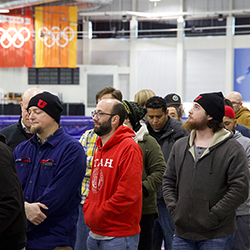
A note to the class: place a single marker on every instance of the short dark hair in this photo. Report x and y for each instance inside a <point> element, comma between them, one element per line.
<point>156,102</point>
<point>177,107</point>
<point>215,125</point>
<point>116,94</point>
<point>120,110</point>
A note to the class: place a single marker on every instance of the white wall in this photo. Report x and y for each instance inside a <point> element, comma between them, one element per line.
<point>153,63</point>
<point>155,67</point>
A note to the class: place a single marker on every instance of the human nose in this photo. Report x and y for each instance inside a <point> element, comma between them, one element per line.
<point>31,116</point>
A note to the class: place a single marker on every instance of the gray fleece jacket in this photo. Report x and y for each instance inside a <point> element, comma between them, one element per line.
<point>244,208</point>
<point>202,195</point>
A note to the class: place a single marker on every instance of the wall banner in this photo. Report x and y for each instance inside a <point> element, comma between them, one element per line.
<point>242,72</point>
<point>16,39</point>
<point>56,36</point>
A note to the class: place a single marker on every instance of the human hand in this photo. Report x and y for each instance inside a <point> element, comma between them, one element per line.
<point>34,213</point>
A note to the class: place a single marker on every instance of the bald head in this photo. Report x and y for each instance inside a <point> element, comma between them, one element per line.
<point>236,100</point>
<point>27,95</point>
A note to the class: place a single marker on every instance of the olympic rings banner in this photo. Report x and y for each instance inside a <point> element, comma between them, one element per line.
<point>16,44</point>
<point>56,36</point>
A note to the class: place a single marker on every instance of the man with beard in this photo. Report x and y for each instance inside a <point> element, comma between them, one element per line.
<point>51,166</point>
<point>20,131</point>
<point>166,131</point>
<point>242,234</point>
<point>206,179</point>
<point>88,140</point>
<point>112,209</point>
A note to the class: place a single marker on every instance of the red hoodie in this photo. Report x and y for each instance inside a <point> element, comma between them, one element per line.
<point>114,203</point>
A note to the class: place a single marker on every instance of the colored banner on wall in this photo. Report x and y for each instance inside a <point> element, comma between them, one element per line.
<point>242,72</point>
<point>56,36</point>
<point>16,41</point>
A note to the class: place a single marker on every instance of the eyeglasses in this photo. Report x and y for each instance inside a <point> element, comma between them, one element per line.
<point>234,103</point>
<point>100,114</point>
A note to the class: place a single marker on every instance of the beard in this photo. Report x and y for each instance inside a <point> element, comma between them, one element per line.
<point>35,130</point>
<point>104,128</point>
<point>197,125</point>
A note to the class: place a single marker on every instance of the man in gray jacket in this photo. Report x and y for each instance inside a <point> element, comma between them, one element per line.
<point>206,179</point>
<point>166,131</point>
<point>242,234</point>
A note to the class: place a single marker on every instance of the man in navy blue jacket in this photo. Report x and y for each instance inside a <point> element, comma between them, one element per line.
<point>51,166</point>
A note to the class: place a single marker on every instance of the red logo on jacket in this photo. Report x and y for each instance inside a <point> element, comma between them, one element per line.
<point>41,104</point>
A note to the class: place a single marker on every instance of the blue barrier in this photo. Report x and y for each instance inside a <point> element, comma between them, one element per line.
<point>73,125</point>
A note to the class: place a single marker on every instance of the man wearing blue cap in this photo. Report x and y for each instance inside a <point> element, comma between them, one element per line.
<point>206,179</point>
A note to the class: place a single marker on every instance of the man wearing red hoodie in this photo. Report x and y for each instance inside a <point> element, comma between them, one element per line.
<point>112,209</point>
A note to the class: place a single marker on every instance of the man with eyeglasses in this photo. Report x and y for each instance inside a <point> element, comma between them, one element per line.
<point>112,209</point>
<point>242,114</point>
<point>88,140</point>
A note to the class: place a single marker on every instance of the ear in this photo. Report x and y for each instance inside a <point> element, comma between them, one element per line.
<point>209,117</point>
<point>115,119</point>
<point>235,123</point>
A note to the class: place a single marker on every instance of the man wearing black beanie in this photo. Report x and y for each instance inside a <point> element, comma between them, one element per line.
<point>206,179</point>
<point>51,166</point>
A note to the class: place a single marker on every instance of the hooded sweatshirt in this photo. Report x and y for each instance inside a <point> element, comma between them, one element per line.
<point>202,195</point>
<point>243,117</point>
<point>113,206</point>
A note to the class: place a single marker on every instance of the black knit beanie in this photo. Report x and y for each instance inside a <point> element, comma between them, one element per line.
<point>213,104</point>
<point>135,113</point>
<point>49,103</point>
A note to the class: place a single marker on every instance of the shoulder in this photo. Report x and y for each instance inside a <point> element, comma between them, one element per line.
<point>68,141</point>
<point>24,146</point>
<point>9,129</point>
<point>177,127</point>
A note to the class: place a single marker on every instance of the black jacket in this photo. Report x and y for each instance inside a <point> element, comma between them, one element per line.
<point>171,132</point>
<point>12,215</point>
<point>15,134</point>
<point>202,195</point>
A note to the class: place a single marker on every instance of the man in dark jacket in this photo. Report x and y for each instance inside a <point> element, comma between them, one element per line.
<point>12,217</point>
<point>166,131</point>
<point>206,179</point>
<point>20,131</point>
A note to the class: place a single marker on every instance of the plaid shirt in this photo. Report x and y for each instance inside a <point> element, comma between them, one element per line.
<point>88,140</point>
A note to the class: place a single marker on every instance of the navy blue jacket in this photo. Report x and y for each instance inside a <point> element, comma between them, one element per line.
<point>51,173</point>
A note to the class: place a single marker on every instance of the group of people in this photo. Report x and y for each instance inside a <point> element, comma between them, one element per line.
<point>141,178</point>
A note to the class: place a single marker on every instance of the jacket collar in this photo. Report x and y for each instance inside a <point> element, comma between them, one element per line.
<point>52,139</point>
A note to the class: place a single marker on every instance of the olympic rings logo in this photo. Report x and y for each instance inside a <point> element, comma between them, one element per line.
<point>56,36</point>
<point>14,37</point>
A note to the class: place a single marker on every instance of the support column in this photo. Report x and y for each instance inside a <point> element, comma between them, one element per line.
<point>180,54</point>
<point>87,36</point>
<point>229,63</point>
<point>133,57</point>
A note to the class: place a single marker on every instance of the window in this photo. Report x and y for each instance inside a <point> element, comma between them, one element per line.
<point>66,76</point>
<point>205,27</point>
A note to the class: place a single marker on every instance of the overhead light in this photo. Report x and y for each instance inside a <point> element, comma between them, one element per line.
<point>4,11</point>
<point>154,0</point>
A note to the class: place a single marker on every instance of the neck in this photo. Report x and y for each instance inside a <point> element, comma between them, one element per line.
<point>106,137</point>
<point>47,132</point>
<point>203,137</point>
<point>24,125</point>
